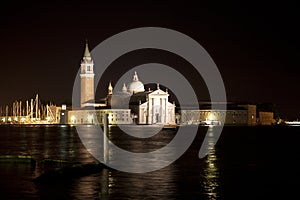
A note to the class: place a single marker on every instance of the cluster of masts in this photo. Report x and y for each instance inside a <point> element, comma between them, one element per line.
<point>28,112</point>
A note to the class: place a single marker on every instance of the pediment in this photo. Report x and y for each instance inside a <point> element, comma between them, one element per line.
<point>158,92</point>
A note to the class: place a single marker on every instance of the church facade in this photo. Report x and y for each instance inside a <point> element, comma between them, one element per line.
<point>153,107</point>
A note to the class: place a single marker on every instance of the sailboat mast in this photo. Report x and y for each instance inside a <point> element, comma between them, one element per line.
<point>20,112</point>
<point>47,117</point>
<point>27,108</point>
<point>31,108</point>
<point>36,106</point>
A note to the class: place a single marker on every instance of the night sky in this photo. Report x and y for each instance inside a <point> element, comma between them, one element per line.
<point>255,46</point>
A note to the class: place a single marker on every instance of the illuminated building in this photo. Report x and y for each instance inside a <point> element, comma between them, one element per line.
<point>134,104</point>
<point>235,114</point>
<point>145,107</point>
<point>266,118</point>
<point>86,78</point>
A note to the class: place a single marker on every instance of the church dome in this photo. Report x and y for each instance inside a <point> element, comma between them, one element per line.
<point>136,86</point>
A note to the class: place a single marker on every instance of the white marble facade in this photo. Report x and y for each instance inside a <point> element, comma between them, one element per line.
<point>157,109</point>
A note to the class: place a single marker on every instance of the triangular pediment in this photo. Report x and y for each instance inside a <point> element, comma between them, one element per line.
<point>158,92</point>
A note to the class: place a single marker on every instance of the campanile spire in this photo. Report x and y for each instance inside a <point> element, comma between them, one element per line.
<point>86,51</point>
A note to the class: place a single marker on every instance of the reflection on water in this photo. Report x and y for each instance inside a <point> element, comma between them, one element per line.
<point>211,171</point>
<point>55,142</point>
<point>41,142</point>
<point>245,164</point>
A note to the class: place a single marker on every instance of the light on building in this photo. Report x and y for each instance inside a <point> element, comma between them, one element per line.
<point>211,117</point>
<point>73,118</point>
<point>16,119</point>
<point>63,107</point>
<point>23,119</point>
<point>3,119</point>
<point>90,118</point>
<point>110,117</point>
<point>9,119</point>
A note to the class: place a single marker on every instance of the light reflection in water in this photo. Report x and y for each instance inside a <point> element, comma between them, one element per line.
<point>211,171</point>
<point>234,161</point>
<point>171,182</point>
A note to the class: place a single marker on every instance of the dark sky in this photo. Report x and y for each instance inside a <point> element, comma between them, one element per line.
<point>255,45</point>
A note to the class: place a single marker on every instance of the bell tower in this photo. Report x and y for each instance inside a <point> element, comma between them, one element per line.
<point>87,92</point>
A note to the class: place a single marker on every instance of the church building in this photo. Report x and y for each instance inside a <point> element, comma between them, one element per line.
<point>150,107</point>
<point>145,107</point>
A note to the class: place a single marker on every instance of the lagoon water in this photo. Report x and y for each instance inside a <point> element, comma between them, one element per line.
<point>246,163</point>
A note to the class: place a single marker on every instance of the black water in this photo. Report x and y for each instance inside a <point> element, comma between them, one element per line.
<point>247,163</point>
